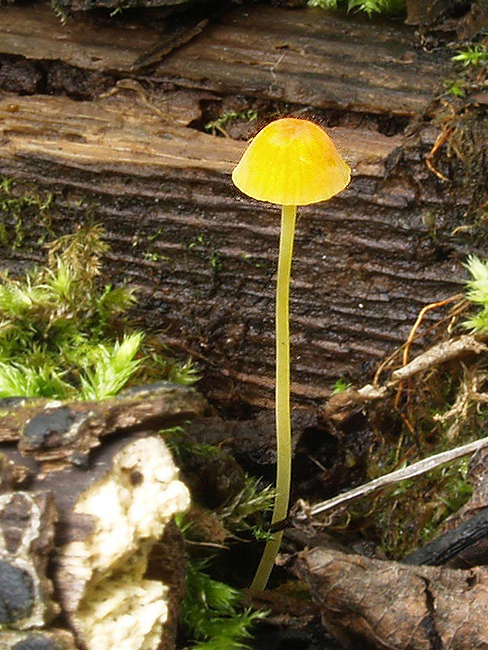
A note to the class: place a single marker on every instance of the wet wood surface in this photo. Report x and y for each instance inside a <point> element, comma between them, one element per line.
<point>129,150</point>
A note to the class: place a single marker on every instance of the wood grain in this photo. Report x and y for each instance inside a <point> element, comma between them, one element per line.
<point>202,256</point>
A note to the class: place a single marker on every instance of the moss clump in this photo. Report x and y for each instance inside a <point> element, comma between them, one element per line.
<point>63,334</point>
<point>220,123</point>
<point>213,615</point>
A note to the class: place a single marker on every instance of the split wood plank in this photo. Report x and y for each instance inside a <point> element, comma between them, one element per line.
<point>309,57</point>
<point>120,132</point>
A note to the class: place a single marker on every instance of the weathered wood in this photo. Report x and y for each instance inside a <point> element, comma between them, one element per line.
<point>63,433</point>
<point>465,19</point>
<point>203,256</point>
<point>26,540</point>
<point>300,56</point>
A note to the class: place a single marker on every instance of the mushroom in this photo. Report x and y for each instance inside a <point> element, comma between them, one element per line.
<point>290,162</point>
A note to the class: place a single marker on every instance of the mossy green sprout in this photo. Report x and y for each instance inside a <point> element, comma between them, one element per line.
<point>290,162</point>
<point>477,293</point>
<point>474,55</point>
<point>369,7</point>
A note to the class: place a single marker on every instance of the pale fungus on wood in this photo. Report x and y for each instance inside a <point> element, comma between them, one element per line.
<point>90,491</point>
<point>111,604</point>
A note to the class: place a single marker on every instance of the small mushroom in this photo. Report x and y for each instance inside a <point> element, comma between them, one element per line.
<point>290,162</point>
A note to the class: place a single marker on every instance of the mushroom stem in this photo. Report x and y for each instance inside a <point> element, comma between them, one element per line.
<point>282,403</point>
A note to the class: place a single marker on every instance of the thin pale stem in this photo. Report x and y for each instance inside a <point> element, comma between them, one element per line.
<point>283,424</point>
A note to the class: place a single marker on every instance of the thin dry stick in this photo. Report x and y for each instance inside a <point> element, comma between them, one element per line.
<point>416,469</point>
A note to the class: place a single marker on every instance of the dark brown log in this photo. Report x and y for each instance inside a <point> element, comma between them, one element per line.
<point>61,435</point>
<point>204,257</point>
<point>300,56</point>
<point>397,607</point>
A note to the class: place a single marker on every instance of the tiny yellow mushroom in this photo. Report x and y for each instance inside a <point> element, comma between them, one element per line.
<point>290,162</point>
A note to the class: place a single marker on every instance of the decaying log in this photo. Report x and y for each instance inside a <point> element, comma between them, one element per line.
<point>397,607</point>
<point>93,493</point>
<point>66,432</point>
<point>137,160</point>
<point>308,57</point>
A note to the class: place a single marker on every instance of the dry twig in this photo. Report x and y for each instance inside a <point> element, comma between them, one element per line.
<point>302,512</point>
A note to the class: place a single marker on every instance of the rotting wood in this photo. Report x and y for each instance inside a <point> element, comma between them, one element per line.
<point>202,256</point>
<point>55,432</point>
<point>107,505</point>
<point>465,19</point>
<point>305,56</point>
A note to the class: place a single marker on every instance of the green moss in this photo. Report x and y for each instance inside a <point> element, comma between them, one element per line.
<point>477,293</point>
<point>220,123</point>
<point>472,55</point>
<point>340,386</point>
<point>212,613</point>
<point>369,7</point>
<point>22,210</point>
<point>409,515</point>
<point>64,334</point>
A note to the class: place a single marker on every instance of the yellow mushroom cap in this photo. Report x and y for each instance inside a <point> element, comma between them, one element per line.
<point>291,162</point>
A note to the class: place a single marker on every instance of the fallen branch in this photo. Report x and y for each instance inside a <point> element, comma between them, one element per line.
<point>341,405</point>
<point>303,512</point>
<point>441,353</point>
